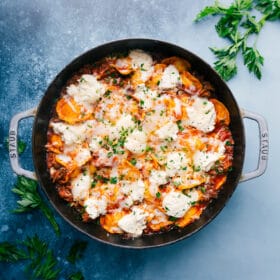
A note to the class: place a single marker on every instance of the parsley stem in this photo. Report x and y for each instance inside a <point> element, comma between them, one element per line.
<point>49,215</point>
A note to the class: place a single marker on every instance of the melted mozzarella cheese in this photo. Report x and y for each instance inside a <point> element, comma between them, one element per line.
<point>123,123</point>
<point>140,59</point>
<point>202,114</point>
<point>168,130</point>
<point>134,189</point>
<point>175,162</point>
<point>157,178</point>
<point>72,134</point>
<point>177,108</point>
<point>63,159</point>
<point>145,95</point>
<point>95,206</point>
<point>81,186</point>
<point>134,223</point>
<point>88,90</point>
<point>176,204</point>
<point>94,143</point>
<point>136,142</point>
<point>205,160</point>
<point>146,73</point>
<point>82,157</point>
<point>170,77</point>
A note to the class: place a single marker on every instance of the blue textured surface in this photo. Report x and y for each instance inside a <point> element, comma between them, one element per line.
<point>38,38</point>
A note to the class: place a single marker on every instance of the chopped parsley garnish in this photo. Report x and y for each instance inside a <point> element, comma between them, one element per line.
<point>102,179</point>
<point>110,154</point>
<point>228,143</point>
<point>172,219</point>
<point>169,139</point>
<point>203,190</point>
<point>113,180</point>
<point>230,169</point>
<point>164,148</point>
<point>196,168</point>
<point>177,183</point>
<point>179,124</point>
<point>158,194</point>
<point>107,93</point>
<point>133,161</point>
<point>142,67</point>
<point>142,102</point>
<point>148,149</point>
<point>158,82</point>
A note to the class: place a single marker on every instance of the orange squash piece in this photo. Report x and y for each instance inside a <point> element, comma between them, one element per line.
<point>110,221</point>
<point>222,114</point>
<point>193,213</point>
<point>159,226</point>
<point>180,63</point>
<point>190,82</point>
<point>55,144</point>
<point>69,111</point>
<point>156,77</point>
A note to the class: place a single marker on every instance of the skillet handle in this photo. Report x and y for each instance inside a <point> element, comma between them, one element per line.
<point>13,145</point>
<point>263,147</point>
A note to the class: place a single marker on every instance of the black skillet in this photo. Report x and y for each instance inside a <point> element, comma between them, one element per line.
<point>42,115</point>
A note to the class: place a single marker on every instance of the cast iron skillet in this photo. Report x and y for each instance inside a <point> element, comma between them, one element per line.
<point>39,139</point>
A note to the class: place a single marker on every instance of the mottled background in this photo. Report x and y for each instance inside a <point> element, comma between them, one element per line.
<point>38,38</point>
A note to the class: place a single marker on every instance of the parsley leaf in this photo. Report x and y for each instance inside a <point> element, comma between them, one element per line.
<point>226,63</point>
<point>21,145</point>
<point>76,251</point>
<point>270,8</point>
<point>253,60</point>
<point>30,199</point>
<point>210,11</point>
<point>10,253</point>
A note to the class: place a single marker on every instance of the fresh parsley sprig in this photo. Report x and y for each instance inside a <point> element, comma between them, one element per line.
<point>41,262</point>
<point>27,190</point>
<point>237,23</point>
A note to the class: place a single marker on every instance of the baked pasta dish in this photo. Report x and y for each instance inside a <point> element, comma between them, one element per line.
<point>138,143</point>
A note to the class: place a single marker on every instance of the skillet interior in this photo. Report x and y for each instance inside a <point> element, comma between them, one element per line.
<point>43,116</point>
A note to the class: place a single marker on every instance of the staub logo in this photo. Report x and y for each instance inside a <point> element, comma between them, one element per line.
<point>12,144</point>
<point>264,146</point>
